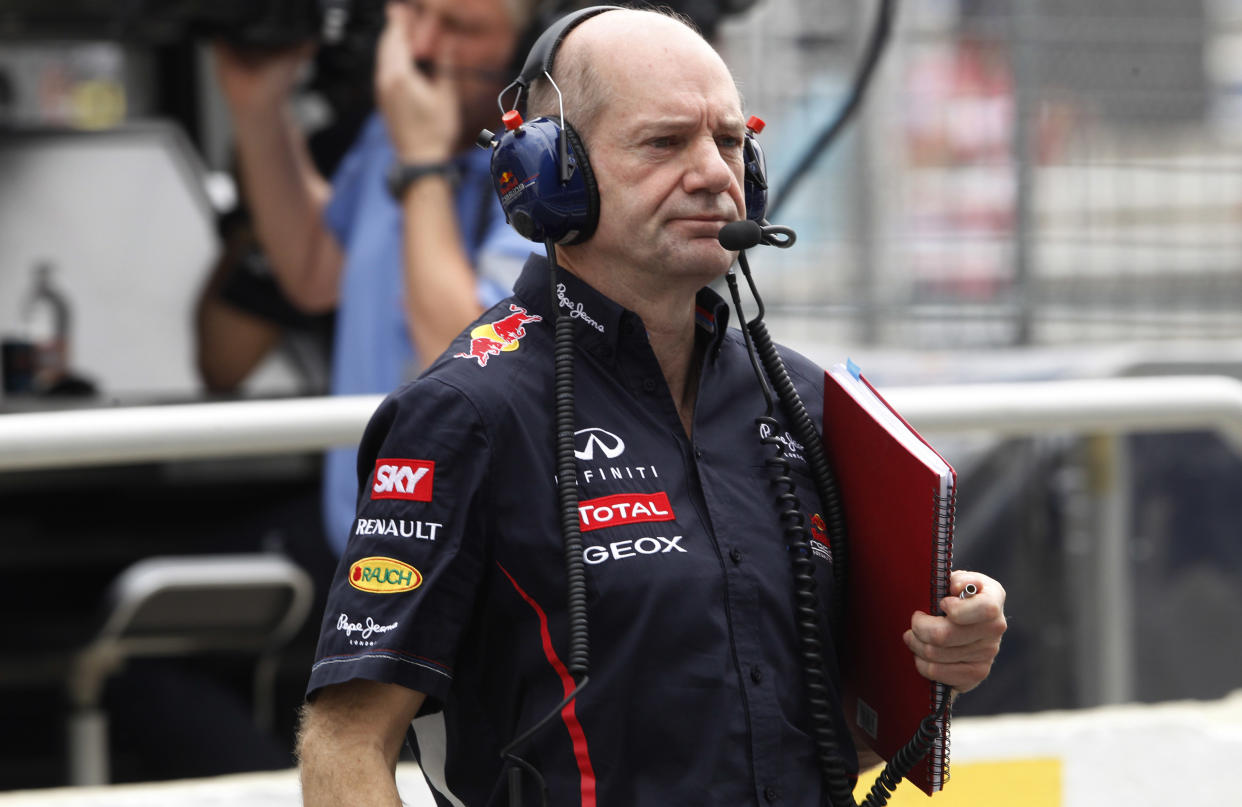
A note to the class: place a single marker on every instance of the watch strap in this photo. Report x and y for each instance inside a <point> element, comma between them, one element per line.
<point>402,175</point>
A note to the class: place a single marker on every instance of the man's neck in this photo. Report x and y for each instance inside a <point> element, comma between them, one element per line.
<point>668,314</point>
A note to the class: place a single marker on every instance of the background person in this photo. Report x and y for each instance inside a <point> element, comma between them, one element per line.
<point>404,274</point>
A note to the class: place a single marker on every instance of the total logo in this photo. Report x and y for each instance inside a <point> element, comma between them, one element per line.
<point>621,550</point>
<point>623,508</point>
<point>403,479</point>
<point>503,335</point>
<point>380,575</point>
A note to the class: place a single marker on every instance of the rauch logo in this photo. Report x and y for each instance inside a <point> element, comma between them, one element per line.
<point>379,575</point>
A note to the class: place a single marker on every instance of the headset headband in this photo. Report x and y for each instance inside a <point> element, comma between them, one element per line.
<point>543,52</point>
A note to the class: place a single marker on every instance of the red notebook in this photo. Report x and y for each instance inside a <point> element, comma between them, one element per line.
<point>898,498</point>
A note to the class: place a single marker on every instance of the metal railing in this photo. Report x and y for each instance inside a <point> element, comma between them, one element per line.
<point>247,428</point>
<point>1104,410</point>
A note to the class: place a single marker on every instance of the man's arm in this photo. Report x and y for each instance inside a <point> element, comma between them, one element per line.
<point>421,115</point>
<point>284,191</point>
<point>229,342</point>
<point>349,742</point>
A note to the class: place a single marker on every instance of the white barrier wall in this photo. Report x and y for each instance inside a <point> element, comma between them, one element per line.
<point>1138,756</point>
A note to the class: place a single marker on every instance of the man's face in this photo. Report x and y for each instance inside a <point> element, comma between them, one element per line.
<point>667,155</point>
<point>475,37</point>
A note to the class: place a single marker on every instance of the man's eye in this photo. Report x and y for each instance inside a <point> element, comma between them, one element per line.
<point>729,142</point>
<point>660,142</point>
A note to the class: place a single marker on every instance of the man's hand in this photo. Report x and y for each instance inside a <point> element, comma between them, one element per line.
<point>258,81</point>
<point>958,648</point>
<point>422,111</point>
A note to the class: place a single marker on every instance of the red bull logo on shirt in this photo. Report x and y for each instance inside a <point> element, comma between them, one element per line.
<point>503,335</point>
<point>379,575</point>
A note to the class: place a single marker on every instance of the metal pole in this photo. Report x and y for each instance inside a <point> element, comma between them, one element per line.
<point>1025,21</point>
<point>1112,597</point>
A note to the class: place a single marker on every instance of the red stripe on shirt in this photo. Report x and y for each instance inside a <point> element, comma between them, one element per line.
<point>586,772</point>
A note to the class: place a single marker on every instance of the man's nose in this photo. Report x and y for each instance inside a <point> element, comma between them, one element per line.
<point>709,171</point>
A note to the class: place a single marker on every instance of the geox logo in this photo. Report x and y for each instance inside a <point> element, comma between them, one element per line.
<point>403,479</point>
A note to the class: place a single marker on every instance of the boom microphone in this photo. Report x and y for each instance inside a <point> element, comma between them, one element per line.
<point>744,234</point>
<point>737,235</point>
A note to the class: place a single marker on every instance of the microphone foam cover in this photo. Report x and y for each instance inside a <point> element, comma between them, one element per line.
<point>742,234</point>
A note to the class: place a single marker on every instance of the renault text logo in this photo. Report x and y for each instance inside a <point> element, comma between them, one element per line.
<point>610,445</point>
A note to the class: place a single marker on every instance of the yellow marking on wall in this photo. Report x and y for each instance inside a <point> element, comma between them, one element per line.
<point>1013,783</point>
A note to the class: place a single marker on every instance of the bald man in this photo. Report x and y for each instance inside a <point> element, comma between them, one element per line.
<point>449,609</point>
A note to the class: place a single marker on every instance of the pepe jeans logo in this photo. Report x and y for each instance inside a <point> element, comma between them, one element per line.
<point>791,449</point>
<point>576,310</point>
<point>365,630</point>
<point>609,444</point>
<point>379,575</point>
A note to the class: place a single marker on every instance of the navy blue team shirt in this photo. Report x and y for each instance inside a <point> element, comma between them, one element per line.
<point>453,581</point>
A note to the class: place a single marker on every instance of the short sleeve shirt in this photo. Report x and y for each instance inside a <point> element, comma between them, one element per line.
<point>453,582</point>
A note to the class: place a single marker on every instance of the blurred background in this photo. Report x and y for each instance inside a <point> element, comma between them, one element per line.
<point>1032,191</point>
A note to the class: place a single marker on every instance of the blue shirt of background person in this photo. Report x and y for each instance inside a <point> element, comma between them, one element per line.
<point>373,353</point>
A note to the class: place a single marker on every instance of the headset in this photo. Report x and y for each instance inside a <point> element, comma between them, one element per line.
<point>541,169</point>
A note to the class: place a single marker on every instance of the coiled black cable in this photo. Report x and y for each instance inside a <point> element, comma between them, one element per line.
<point>579,659</point>
<point>567,480</point>
<point>832,767</point>
<point>804,430</point>
<point>807,610</point>
<point>906,757</point>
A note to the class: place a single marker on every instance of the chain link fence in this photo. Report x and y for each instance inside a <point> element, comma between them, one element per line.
<point>1024,172</point>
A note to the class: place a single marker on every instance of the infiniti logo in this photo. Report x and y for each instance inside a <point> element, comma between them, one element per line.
<point>610,445</point>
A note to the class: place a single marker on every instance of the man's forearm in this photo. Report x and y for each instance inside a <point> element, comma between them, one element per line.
<point>335,774</point>
<point>441,292</point>
<point>286,196</point>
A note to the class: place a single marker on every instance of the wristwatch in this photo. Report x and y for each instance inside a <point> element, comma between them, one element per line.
<point>402,175</point>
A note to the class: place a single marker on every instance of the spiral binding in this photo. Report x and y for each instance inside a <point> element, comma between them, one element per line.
<point>946,512</point>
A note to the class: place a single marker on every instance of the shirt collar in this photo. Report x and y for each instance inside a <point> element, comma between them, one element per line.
<point>599,321</point>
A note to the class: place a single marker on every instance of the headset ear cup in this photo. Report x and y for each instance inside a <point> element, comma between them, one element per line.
<point>583,161</point>
<point>755,176</point>
<point>526,173</point>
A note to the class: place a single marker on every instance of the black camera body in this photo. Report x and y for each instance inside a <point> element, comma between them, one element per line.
<point>245,23</point>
